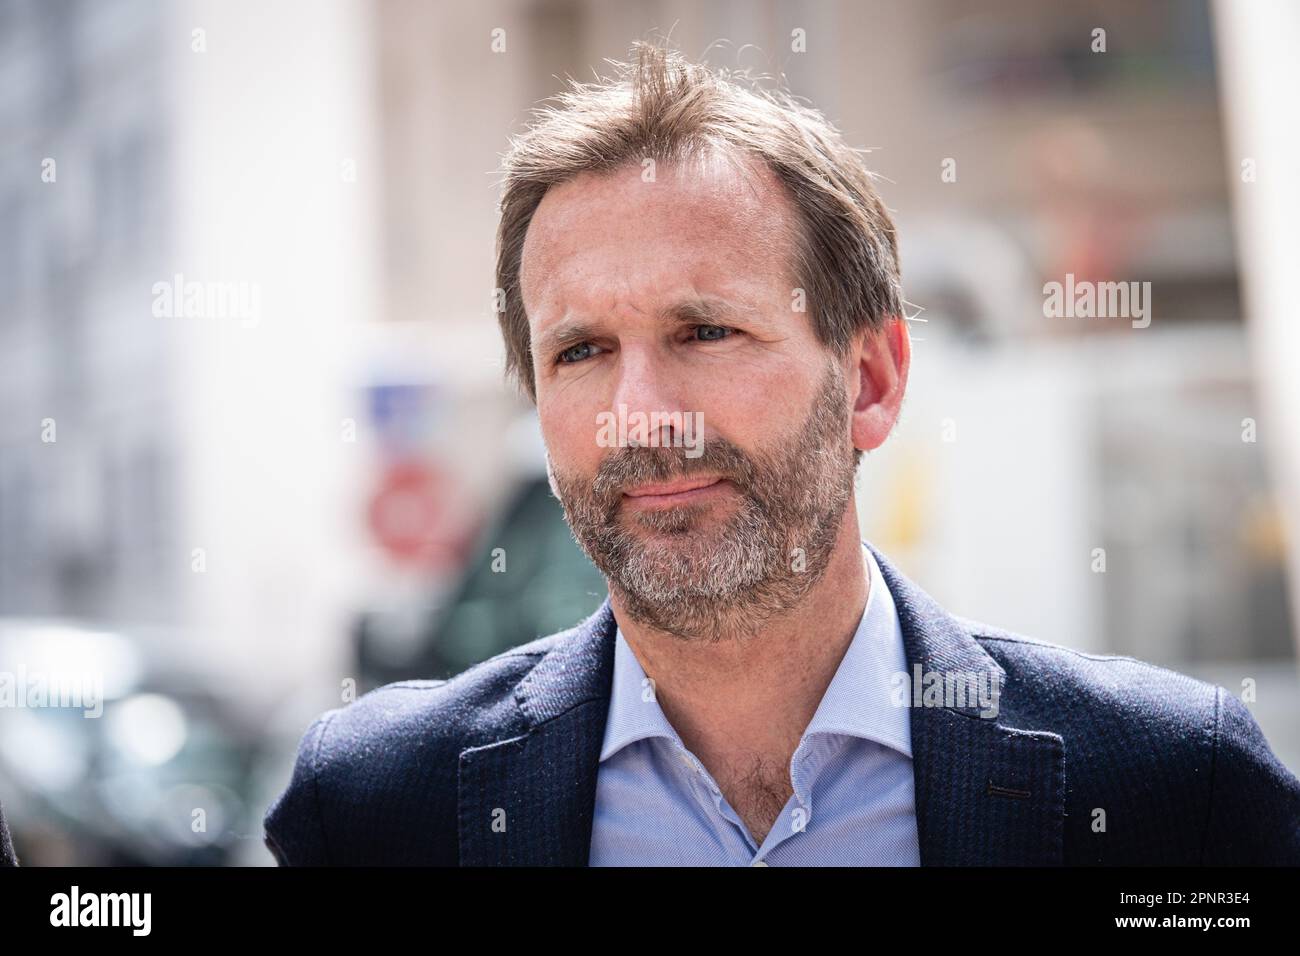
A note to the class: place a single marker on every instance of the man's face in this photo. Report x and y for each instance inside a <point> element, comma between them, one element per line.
<point>676,296</point>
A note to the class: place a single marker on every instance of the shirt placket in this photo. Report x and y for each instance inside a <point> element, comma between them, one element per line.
<point>808,760</point>
<point>699,779</point>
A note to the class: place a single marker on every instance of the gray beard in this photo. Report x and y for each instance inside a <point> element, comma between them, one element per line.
<point>730,578</point>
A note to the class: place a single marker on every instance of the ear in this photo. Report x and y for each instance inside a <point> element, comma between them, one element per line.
<point>881,359</point>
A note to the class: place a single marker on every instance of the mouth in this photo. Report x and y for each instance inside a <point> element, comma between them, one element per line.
<point>673,493</point>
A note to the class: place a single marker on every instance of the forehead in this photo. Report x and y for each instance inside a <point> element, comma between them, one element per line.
<point>713,222</point>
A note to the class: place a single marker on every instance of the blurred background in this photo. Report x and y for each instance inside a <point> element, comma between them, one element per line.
<point>255,445</point>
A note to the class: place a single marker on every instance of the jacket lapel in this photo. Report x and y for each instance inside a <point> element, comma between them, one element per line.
<point>987,792</point>
<point>530,800</point>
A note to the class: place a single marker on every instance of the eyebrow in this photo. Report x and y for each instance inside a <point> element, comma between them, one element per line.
<point>686,312</point>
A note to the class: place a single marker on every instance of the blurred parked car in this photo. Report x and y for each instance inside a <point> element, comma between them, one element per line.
<point>527,578</point>
<point>107,759</point>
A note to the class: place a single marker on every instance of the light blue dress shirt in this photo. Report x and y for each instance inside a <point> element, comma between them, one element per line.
<point>853,802</point>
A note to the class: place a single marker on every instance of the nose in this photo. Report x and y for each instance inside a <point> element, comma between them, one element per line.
<point>648,385</point>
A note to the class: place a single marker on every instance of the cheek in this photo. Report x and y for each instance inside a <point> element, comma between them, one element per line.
<point>570,437</point>
<point>748,411</point>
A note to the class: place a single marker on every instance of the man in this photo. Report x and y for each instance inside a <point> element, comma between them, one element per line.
<point>761,687</point>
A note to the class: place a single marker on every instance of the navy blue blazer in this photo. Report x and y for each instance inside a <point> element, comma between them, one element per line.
<point>7,855</point>
<point>1091,760</point>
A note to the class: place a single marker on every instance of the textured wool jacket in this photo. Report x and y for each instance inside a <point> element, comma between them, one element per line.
<point>1090,760</point>
<point>7,856</point>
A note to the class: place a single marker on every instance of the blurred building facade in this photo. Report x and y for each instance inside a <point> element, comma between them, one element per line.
<point>166,460</point>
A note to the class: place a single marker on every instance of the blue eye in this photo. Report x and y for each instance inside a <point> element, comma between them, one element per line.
<point>715,328</point>
<point>568,356</point>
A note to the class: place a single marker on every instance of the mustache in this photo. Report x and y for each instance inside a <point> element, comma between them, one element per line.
<point>631,466</point>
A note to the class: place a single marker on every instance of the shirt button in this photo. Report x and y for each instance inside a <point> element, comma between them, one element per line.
<point>758,863</point>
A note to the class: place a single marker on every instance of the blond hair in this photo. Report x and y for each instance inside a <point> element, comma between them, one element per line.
<point>664,107</point>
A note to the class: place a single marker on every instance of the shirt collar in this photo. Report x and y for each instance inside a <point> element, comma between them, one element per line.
<point>857,702</point>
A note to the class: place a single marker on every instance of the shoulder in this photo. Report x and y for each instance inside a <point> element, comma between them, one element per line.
<point>1121,708</point>
<point>375,780</point>
<point>1041,675</point>
<point>1187,751</point>
<point>414,715</point>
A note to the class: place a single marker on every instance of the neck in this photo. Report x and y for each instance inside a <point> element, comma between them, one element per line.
<point>756,692</point>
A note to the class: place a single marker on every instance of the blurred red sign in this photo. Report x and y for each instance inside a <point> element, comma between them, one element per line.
<point>417,516</point>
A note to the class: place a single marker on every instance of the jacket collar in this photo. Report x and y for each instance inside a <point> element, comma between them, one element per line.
<point>986,792</point>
